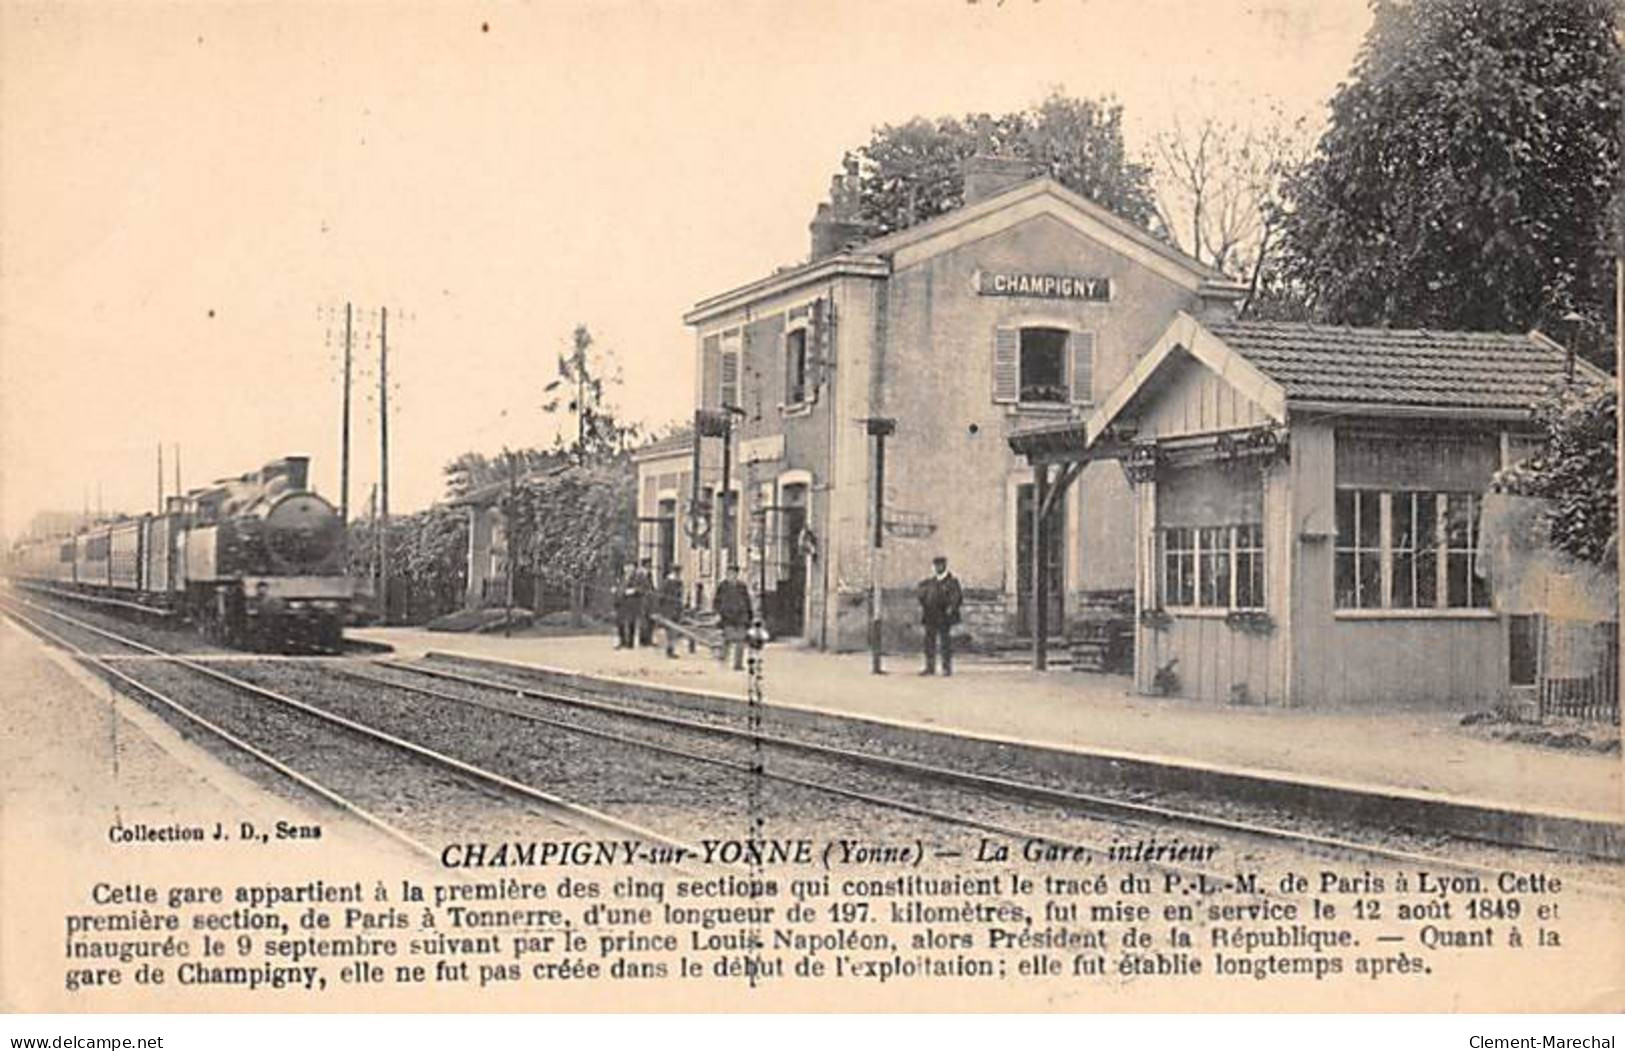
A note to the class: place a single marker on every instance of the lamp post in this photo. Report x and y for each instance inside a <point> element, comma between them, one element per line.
<point>879,428</point>
<point>718,423</point>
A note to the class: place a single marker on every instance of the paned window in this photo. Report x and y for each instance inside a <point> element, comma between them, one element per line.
<point>1212,567</point>
<point>1408,549</point>
<point>795,366</point>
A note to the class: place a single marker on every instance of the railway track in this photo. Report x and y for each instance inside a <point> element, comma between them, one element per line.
<point>844,777</point>
<point>365,773</point>
<point>1151,818</point>
<point>154,663</point>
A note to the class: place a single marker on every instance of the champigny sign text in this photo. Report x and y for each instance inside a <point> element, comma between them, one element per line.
<point>1044,286</point>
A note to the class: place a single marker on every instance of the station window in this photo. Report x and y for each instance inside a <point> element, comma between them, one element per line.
<point>1043,365</point>
<point>1408,549</point>
<point>1210,540</point>
<point>795,366</point>
<point>1212,567</point>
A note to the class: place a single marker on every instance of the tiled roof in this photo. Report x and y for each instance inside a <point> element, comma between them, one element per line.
<point>1484,370</point>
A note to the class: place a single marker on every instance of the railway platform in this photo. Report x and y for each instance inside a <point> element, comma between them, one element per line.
<point>1376,762</point>
<point>96,789</point>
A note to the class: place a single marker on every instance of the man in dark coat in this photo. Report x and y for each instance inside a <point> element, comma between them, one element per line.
<point>645,581</point>
<point>940,598</point>
<point>732,604</point>
<point>627,609</point>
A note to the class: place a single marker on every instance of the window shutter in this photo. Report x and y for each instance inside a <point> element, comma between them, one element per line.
<point>818,346</point>
<point>710,370</point>
<point>730,377</point>
<point>1082,346</point>
<point>1006,365</point>
<point>790,363</point>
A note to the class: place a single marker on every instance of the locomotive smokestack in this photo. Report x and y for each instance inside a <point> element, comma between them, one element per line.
<point>299,472</point>
<point>296,469</point>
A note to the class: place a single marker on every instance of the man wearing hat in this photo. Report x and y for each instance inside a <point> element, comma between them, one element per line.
<point>940,597</point>
<point>644,580</point>
<point>733,608</point>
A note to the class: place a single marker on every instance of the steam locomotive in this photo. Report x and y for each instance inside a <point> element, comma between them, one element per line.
<point>256,561</point>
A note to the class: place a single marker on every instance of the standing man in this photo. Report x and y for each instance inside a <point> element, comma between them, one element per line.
<point>940,597</point>
<point>626,609</point>
<point>671,606</point>
<point>645,580</point>
<point>732,604</point>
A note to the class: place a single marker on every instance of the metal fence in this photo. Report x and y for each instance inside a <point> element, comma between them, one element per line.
<point>1579,670</point>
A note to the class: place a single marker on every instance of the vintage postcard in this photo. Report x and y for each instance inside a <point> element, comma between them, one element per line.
<point>728,507</point>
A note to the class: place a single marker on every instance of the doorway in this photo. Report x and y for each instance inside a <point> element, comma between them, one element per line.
<point>784,603</point>
<point>1054,563</point>
<point>666,538</point>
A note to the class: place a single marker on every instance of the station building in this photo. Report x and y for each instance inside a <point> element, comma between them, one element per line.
<point>1024,306</point>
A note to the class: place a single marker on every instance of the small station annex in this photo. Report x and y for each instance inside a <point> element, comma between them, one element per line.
<point>1307,507</point>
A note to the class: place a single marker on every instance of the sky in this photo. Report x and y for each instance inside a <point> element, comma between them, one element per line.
<point>189,194</point>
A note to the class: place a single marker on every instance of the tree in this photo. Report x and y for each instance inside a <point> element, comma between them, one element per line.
<point>1218,184</point>
<point>584,374</point>
<point>572,529</point>
<point>1576,469</point>
<point>436,560</point>
<point>428,558</point>
<point>911,172</point>
<point>1466,176</point>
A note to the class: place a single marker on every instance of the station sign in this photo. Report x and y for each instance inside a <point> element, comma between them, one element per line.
<point>1044,286</point>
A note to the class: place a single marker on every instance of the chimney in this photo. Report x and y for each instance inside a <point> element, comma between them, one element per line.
<point>830,233</point>
<point>1219,301</point>
<point>836,224</point>
<point>987,175</point>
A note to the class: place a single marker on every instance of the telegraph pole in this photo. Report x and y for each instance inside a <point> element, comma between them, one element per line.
<point>344,457</point>
<point>160,478</point>
<point>377,537</point>
<point>383,463</point>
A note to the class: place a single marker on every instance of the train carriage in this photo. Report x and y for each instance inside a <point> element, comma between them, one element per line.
<point>90,563</point>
